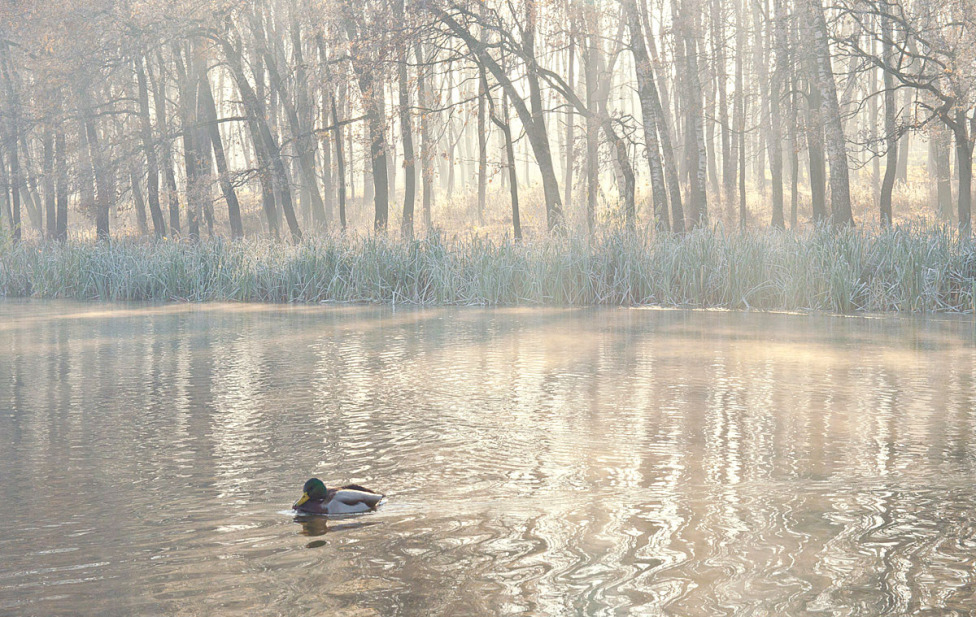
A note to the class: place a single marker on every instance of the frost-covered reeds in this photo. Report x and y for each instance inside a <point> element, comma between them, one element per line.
<point>917,270</point>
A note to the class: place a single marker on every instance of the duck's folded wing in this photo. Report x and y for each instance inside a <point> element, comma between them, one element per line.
<point>353,496</point>
<point>356,487</point>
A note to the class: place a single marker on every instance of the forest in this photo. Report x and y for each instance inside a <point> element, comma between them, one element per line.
<point>284,120</point>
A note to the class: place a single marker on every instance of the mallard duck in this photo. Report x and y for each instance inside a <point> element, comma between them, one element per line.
<point>349,499</point>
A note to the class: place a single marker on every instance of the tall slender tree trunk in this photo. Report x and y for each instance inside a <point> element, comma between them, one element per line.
<point>104,184</point>
<point>592,132</point>
<point>482,142</point>
<point>570,137</point>
<point>301,119</point>
<point>873,116</point>
<point>13,139</point>
<point>406,132</point>
<point>50,200</point>
<point>340,166</point>
<point>964,165</point>
<point>891,136</point>
<point>905,141</point>
<point>740,108</point>
<point>696,155</point>
<point>208,112</point>
<point>426,147</point>
<point>373,101</point>
<point>32,198</point>
<point>187,86</point>
<point>943,173</point>
<point>451,140</point>
<point>15,181</point>
<point>775,137</point>
<point>61,185</point>
<point>835,142</point>
<point>138,199</point>
<point>647,92</point>
<point>537,129</point>
<point>166,150</point>
<point>149,149</point>
<point>794,155</point>
<point>506,128</point>
<point>721,74</point>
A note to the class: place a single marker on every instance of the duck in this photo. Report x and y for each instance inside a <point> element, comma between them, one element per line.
<point>348,499</point>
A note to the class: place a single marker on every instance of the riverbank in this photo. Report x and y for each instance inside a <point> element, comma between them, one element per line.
<point>900,270</point>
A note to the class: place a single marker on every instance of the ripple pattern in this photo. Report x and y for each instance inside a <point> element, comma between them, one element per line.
<point>536,462</point>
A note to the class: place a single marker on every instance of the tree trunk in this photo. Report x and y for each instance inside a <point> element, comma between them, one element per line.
<point>138,200</point>
<point>570,120</point>
<point>373,103</point>
<point>775,138</point>
<point>647,92</point>
<point>266,147</point>
<point>943,173</point>
<point>728,160</point>
<point>891,136</point>
<point>426,147</point>
<point>187,87</point>
<point>537,128</point>
<point>592,132</point>
<point>696,155</point>
<point>50,200</point>
<point>208,113</point>
<point>406,132</point>
<point>166,151</point>
<point>482,151</point>
<point>300,119</point>
<point>740,108</point>
<point>61,185</point>
<point>340,166</point>
<point>13,139</point>
<point>506,128</point>
<point>300,130</point>
<point>149,149</point>
<point>835,142</point>
<point>964,164</point>
<point>104,184</point>
<point>905,141</point>
<point>531,120</point>
<point>15,182</point>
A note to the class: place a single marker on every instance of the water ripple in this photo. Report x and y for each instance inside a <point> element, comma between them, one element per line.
<point>536,462</point>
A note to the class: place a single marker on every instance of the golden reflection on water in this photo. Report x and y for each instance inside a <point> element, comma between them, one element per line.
<point>536,461</point>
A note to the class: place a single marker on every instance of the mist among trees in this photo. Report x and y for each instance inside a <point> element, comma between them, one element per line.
<point>285,118</point>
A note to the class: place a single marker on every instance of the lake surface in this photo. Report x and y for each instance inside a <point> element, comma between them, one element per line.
<point>535,461</point>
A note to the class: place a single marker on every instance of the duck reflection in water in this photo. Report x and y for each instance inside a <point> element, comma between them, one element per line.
<point>318,526</point>
<point>312,525</point>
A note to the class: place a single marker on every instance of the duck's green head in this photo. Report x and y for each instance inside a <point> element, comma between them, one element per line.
<point>314,489</point>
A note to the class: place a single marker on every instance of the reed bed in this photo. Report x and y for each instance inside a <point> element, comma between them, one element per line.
<point>905,270</point>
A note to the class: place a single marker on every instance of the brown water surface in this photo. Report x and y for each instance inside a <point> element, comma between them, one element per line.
<point>536,462</point>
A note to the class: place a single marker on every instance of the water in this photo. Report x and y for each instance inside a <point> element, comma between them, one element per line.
<point>537,462</point>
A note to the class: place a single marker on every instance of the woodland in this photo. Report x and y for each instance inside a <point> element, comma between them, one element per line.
<point>498,122</point>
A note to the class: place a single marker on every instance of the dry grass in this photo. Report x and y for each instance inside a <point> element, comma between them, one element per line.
<point>910,269</point>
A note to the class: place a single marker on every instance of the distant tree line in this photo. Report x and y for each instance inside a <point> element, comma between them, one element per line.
<point>182,114</point>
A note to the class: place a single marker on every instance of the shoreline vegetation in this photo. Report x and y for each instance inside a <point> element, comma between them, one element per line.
<point>897,270</point>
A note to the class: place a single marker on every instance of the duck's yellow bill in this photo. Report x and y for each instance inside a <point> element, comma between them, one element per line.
<point>301,501</point>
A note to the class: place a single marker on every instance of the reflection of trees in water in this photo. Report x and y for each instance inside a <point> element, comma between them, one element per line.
<point>551,462</point>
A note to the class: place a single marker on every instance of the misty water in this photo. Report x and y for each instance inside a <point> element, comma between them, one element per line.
<point>535,461</point>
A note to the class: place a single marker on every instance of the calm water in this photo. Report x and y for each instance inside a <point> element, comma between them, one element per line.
<point>537,462</point>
